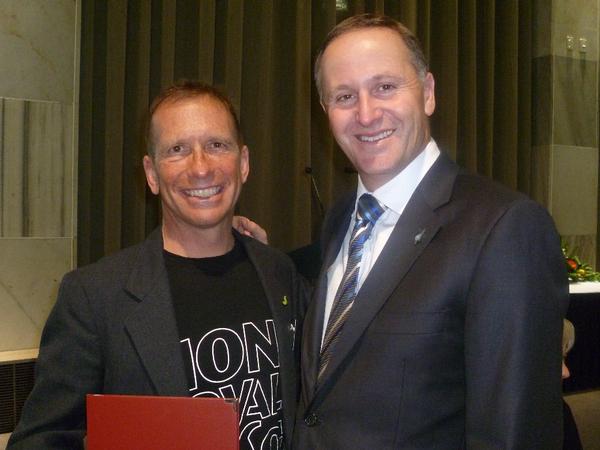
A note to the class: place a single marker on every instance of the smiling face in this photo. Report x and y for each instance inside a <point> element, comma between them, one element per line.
<point>198,167</point>
<point>378,106</point>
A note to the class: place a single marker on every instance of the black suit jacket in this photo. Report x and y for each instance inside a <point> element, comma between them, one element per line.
<point>454,339</point>
<point>113,330</point>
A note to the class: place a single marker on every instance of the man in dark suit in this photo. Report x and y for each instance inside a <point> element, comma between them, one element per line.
<point>195,310</point>
<point>436,320</point>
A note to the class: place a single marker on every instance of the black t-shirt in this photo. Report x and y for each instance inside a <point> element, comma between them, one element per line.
<point>228,340</point>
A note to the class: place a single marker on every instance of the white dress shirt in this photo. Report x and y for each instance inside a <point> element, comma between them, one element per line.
<point>394,195</point>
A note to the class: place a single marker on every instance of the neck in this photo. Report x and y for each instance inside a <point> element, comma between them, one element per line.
<point>198,242</point>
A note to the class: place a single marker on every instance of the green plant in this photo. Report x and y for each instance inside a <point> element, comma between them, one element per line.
<point>577,270</point>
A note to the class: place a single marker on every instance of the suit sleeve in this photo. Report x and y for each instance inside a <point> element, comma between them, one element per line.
<point>68,367</point>
<point>513,328</point>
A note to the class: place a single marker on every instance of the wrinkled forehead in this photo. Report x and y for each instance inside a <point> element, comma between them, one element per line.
<point>202,100</point>
<point>208,105</point>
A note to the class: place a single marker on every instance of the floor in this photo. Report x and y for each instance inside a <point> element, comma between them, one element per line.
<point>586,409</point>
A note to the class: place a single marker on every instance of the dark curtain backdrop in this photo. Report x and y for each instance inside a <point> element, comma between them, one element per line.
<point>261,52</point>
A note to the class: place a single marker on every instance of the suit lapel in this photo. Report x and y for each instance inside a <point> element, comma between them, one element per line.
<point>284,319</point>
<point>152,327</point>
<point>398,255</point>
<point>416,228</point>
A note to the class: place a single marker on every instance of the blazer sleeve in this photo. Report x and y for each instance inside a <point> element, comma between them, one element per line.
<point>68,367</point>
<point>515,305</point>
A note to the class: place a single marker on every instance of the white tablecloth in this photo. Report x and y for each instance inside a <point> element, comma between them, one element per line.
<point>584,287</point>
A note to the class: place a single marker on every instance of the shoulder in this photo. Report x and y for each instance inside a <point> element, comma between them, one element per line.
<point>276,269</point>
<point>479,196</point>
<point>263,255</point>
<point>480,187</point>
<point>449,185</point>
<point>115,269</point>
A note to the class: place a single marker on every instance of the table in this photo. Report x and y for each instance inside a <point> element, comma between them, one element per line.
<point>584,359</point>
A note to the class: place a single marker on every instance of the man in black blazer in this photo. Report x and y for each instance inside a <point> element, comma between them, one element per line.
<point>196,309</point>
<point>452,336</point>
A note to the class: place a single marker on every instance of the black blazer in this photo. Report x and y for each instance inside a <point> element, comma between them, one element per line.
<point>454,339</point>
<point>113,330</point>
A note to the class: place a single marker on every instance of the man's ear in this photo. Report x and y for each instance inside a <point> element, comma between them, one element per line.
<point>429,94</point>
<point>151,175</point>
<point>244,163</point>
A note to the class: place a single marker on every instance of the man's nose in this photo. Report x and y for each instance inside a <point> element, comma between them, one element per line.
<point>199,163</point>
<point>368,111</point>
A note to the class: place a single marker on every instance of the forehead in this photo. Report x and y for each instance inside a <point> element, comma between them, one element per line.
<point>365,53</point>
<point>199,112</point>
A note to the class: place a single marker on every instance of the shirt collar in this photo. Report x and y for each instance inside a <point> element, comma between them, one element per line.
<point>396,193</point>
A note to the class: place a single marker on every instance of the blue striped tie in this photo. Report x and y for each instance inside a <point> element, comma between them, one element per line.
<point>367,212</point>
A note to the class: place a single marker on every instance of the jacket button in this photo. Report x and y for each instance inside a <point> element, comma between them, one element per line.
<point>311,419</point>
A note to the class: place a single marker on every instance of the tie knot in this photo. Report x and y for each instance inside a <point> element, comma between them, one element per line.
<point>368,209</point>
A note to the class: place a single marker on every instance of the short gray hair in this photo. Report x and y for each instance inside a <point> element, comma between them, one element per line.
<point>363,21</point>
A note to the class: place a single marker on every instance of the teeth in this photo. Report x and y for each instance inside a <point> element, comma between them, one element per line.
<point>204,193</point>
<point>377,137</point>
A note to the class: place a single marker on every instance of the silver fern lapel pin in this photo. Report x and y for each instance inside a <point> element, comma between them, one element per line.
<point>419,236</point>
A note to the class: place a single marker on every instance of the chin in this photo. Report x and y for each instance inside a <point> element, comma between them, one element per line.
<point>209,223</point>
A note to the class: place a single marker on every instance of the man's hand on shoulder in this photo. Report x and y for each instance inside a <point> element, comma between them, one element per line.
<point>245,226</point>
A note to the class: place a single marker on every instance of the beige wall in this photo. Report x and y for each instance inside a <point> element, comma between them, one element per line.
<point>39,73</point>
<point>566,115</point>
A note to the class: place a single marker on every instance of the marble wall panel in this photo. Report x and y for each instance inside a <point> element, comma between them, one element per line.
<point>37,49</point>
<point>11,155</point>
<point>49,158</point>
<point>36,154</point>
<point>574,190</point>
<point>30,272</point>
<point>575,102</point>
<point>577,18</point>
<point>39,73</point>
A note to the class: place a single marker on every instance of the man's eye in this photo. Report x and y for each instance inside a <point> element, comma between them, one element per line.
<point>216,145</point>
<point>344,98</point>
<point>175,151</point>
<point>386,87</point>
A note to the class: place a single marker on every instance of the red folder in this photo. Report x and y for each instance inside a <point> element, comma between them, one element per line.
<point>131,422</point>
